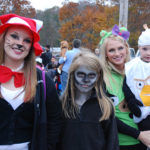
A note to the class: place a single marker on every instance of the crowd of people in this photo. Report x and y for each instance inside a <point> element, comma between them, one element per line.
<point>83,101</point>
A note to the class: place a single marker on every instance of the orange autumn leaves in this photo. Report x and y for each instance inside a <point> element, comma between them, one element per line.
<point>84,22</point>
<point>20,7</point>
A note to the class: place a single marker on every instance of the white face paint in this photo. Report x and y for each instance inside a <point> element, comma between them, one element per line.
<point>85,79</point>
<point>18,41</point>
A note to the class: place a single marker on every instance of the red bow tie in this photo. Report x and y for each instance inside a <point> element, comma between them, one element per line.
<point>6,74</point>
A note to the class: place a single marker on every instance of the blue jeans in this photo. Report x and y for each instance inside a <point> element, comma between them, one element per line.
<point>63,78</point>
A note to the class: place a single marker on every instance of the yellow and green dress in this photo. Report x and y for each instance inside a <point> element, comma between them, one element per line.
<point>121,110</point>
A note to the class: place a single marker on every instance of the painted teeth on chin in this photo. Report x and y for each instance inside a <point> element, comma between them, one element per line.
<point>85,86</point>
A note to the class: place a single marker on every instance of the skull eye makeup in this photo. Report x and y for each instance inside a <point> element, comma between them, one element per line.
<point>92,75</point>
<point>81,74</point>
<point>140,84</point>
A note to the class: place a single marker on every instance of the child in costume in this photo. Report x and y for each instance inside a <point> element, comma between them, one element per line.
<point>39,63</point>
<point>89,122</point>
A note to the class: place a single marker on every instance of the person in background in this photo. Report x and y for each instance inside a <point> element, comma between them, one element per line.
<point>88,115</point>
<point>64,46</point>
<point>29,120</point>
<point>39,63</point>
<point>97,53</point>
<point>114,53</point>
<point>137,83</point>
<point>67,60</point>
<point>46,56</point>
<point>51,68</point>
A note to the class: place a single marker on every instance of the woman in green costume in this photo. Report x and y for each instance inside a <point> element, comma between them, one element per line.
<point>114,53</point>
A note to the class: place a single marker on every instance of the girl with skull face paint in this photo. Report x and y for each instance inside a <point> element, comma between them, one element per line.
<point>114,51</point>
<point>88,114</point>
<point>28,120</point>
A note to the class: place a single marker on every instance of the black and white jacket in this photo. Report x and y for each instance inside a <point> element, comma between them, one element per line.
<point>47,118</point>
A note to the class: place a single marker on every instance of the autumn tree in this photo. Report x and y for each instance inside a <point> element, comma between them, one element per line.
<point>66,17</point>
<point>139,12</point>
<point>20,7</point>
<point>85,20</point>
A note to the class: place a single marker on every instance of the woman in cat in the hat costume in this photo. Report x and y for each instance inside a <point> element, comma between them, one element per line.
<point>28,119</point>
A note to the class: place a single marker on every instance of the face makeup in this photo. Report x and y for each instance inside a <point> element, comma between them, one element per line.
<point>85,79</point>
<point>18,41</point>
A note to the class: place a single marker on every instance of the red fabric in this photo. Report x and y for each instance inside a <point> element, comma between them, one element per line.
<point>6,74</point>
<point>32,25</point>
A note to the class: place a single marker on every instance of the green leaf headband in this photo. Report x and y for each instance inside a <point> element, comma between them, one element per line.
<point>123,32</point>
<point>104,34</point>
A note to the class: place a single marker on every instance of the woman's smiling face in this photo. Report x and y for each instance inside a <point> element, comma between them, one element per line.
<point>18,42</point>
<point>116,53</point>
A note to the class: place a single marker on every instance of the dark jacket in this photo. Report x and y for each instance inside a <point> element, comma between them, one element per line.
<point>46,58</point>
<point>47,118</point>
<point>86,132</point>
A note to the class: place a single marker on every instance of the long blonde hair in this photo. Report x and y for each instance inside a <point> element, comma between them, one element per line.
<point>69,105</point>
<point>108,67</point>
<point>29,70</point>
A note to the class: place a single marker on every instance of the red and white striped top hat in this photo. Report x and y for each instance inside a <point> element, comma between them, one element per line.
<point>32,24</point>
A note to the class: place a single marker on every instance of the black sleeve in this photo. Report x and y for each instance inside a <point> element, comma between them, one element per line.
<point>43,59</point>
<point>111,133</point>
<point>126,129</point>
<point>50,55</point>
<point>54,114</point>
<point>132,102</point>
